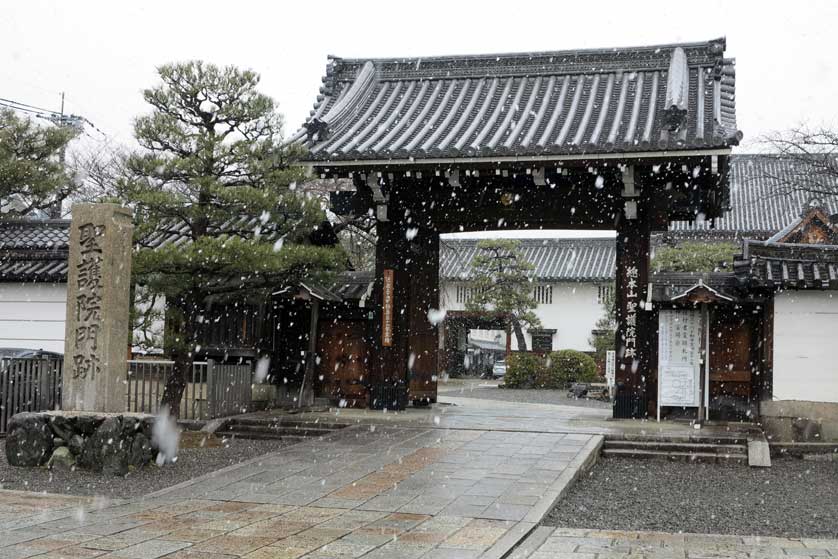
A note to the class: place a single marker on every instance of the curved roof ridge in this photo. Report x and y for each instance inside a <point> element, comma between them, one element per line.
<point>719,43</point>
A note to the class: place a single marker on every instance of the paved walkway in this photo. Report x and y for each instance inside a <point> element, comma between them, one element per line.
<point>569,543</point>
<point>371,490</point>
<point>457,481</point>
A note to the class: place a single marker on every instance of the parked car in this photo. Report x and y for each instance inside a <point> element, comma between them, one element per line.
<point>20,353</point>
<point>499,369</point>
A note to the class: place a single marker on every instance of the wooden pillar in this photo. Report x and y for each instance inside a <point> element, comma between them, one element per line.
<point>423,316</point>
<point>390,353</point>
<point>306,397</point>
<point>634,323</point>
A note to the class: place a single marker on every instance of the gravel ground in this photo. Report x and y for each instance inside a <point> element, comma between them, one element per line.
<point>191,463</point>
<point>473,389</point>
<point>792,498</point>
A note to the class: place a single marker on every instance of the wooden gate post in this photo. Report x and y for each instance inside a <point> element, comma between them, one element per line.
<point>631,297</point>
<point>390,325</point>
<point>423,342</point>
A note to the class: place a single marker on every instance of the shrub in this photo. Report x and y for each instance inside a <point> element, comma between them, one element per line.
<point>523,370</point>
<point>693,256</point>
<point>559,370</point>
<point>568,366</point>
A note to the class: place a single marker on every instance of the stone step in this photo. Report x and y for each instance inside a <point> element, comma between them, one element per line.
<point>709,457</point>
<point>279,430</point>
<point>667,446</point>
<point>733,438</point>
<point>267,436</point>
<point>287,422</point>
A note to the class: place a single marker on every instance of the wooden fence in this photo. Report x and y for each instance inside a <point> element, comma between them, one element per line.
<point>29,384</point>
<point>212,389</point>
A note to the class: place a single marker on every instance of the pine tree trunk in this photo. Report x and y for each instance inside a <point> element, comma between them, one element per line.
<point>519,335</point>
<point>184,333</point>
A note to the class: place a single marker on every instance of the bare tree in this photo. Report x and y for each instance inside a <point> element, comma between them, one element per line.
<point>808,160</point>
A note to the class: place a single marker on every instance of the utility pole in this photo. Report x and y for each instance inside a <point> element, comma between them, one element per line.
<point>71,121</point>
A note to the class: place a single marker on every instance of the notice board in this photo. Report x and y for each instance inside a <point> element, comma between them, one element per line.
<point>679,357</point>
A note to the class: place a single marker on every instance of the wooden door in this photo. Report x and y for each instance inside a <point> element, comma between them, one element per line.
<point>731,364</point>
<point>342,370</point>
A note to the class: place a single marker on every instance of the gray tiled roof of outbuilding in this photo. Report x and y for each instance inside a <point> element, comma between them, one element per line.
<point>34,250</point>
<point>553,260</point>
<point>639,99</point>
<point>763,198</point>
<point>47,234</point>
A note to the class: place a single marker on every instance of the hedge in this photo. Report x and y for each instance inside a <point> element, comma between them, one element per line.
<point>558,370</point>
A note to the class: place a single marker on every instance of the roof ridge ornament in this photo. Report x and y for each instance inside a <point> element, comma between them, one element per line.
<point>677,90</point>
<point>318,128</point>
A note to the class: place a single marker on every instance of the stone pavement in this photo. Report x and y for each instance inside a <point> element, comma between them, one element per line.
<point>456,481</point>
<point>568,543</point>
<point>368,491</point>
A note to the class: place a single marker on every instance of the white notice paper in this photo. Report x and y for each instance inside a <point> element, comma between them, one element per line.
<point>679,357</point>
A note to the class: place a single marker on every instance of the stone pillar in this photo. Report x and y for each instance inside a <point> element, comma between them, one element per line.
<point>97,328</point>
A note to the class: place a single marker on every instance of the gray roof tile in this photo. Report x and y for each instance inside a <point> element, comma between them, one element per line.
<point>553,260</point>
<point>757,209</point>
<point>549,103</point>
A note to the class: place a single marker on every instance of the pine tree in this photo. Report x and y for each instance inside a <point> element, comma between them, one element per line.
<point>32,175</point>
<point>216,211</point>
<point>502,286</point>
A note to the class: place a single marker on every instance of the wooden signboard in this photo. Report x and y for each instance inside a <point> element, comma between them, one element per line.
<point>387,310</point>
<point>679,358</point>
<point>610,367</point>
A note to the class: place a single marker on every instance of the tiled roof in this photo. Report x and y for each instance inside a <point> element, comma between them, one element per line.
<point>35,234</point>
<point>26,267</point>
<point>34,250</point>
<point>788,265</point>
<point>639,99</point>
<point>553,259</point>
<point>353,286</point>
<point>756,208</point>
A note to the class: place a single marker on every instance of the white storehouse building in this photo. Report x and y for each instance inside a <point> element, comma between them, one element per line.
<point>570,282</point>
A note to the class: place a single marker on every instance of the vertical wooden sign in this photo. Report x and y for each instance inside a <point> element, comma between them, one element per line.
<point>387,310</point>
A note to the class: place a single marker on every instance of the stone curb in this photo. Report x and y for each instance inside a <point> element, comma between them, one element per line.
<point>579,465</point>
<point>527,530</point>
<point>532,543</point>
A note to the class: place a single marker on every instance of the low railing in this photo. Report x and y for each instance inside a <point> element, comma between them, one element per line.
<point>29,385</point>
<point>212,389</point>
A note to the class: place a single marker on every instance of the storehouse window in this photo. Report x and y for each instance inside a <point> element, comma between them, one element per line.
<point>604,292</point>
<point>542,340</point>
<point>466,294</point>
<point>543,294</point>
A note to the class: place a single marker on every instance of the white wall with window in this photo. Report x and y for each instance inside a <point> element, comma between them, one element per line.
<point>568,311</point>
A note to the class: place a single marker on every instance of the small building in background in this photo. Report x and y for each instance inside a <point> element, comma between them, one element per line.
<point>33,283</point>
<point>571,281</point>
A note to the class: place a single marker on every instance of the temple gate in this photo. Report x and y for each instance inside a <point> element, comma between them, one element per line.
<point>611,139</point>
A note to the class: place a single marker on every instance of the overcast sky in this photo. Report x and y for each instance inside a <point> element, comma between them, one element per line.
<point>103,53</point>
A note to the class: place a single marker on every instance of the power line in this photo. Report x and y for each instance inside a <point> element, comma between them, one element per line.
<point>57,118</point>
<point>26,105</point>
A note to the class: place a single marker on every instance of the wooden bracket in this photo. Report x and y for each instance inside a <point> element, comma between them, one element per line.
<point>628,182</point>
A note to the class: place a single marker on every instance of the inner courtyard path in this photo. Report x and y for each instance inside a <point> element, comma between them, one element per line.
<point>455,481</point>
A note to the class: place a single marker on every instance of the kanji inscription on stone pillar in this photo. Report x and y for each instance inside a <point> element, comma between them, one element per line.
<point>97,324</point>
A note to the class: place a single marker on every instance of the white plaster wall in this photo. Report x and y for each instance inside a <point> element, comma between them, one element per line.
<point>150,340</point>
<point>805,348</point>
<point>573,314</point>
<point>32,315</point>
